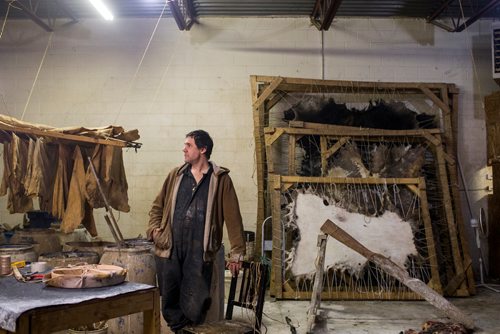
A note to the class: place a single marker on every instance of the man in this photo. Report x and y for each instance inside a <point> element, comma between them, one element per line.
<point>186,223</point>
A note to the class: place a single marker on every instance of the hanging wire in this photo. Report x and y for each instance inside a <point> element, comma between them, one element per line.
<point>5,19</point>
<point>37,74</point>
<point>140,62</point>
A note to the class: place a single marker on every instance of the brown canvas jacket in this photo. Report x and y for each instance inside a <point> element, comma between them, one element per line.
<point>222,206</point>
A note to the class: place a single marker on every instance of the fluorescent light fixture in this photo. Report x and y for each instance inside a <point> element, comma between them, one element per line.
<point>102,9</point>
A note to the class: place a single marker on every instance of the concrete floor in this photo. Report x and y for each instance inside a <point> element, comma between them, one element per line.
<point>378,317</point>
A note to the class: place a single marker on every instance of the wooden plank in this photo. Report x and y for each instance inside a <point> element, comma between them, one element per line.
<point>434,98</point>
<point>273,101</point>
<point>152,317</point>
<point>260,157</point>
<point>494,223</point>
<point>272,137</point>
<point>318,282</point>
<point>436,141</point>
<point>354,295</point>
<point>348,180</point>
<point>450,218</point>
<point>277,252</point>
<point>338,130</point>
<point>352,85</point>
<point>435,282</point>
<point>266,93</point>
<point>292,144</point>
<point>309,125</point>
<point>400,274</point>
<point>452,173</point>
<point>449,135</point>
<point>341,142</point>
<point>63,136</point>
<point>323,150</point>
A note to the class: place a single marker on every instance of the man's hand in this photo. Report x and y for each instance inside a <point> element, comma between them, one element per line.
<point>156,233</point>
<point>234,267</point>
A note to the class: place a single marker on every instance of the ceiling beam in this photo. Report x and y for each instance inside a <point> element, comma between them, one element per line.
<point>324,12</point>
<point>456,27</point>
<point>183,13</point>
<point>492,4</point>
<point>175,10</point>
<point>66,9</point>
<point>33,16</point>
<point>438,12</point>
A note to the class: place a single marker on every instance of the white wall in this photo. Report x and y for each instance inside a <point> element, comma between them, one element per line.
<point>92,75</point>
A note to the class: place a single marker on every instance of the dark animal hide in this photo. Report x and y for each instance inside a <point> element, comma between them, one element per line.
<point>378,115</point>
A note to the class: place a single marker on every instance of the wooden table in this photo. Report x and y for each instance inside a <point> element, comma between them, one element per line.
<point>49,319</point>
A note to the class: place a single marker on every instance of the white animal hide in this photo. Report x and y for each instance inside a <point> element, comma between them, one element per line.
<point>388,235</point>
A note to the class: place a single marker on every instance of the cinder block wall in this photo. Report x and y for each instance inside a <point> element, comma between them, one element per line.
<point>96,73</point>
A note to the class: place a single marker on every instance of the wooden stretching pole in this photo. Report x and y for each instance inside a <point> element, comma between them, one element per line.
<point>399,273</point>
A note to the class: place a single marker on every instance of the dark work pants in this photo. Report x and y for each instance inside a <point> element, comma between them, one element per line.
<point>184,280</point>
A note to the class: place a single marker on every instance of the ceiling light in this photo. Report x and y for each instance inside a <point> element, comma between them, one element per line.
<point>102,9</point>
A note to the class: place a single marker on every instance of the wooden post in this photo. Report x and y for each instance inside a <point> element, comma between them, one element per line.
<point>318,282</point>
<point>435,282</point>
<point>277,253</point>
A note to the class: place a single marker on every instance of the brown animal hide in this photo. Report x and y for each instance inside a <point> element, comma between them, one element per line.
<point>108,163</point>
<point>62,179</point>
<point>348,163</point>
<point>77,207</point>
<point>15,163</point>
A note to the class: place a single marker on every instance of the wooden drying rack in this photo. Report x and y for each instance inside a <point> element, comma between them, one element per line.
<point>69,137</point>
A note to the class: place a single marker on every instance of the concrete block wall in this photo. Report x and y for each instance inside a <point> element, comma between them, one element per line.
<point>96,73</point>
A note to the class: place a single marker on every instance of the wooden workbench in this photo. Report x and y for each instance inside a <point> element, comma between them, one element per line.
<point>58,317</point>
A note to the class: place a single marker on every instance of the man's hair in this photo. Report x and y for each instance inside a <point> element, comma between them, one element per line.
<point>202,140</point>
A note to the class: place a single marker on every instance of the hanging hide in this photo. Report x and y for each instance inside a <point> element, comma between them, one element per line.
<point>40,180</point>
<point>15,163</point>
<point>108,163</point>
<point>77,207</point>
<point>62,179</point>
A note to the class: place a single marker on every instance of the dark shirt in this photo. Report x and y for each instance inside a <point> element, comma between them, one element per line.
<point>190,209</point>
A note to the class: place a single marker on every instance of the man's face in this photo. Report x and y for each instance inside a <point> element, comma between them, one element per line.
<point>192,153</point>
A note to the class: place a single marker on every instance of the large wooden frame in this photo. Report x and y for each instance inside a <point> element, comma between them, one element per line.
<point>281,289</point>
<point>457,285</point>
<point>267,91</point>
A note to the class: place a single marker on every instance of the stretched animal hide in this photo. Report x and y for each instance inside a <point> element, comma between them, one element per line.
<point>378,115</point>
<point>388,235</point>
<point>348,163</point>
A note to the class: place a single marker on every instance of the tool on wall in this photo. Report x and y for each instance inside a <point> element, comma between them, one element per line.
<point>108,216</point>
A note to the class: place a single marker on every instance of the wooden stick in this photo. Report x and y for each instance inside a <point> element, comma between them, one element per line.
<point>399,273</point>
